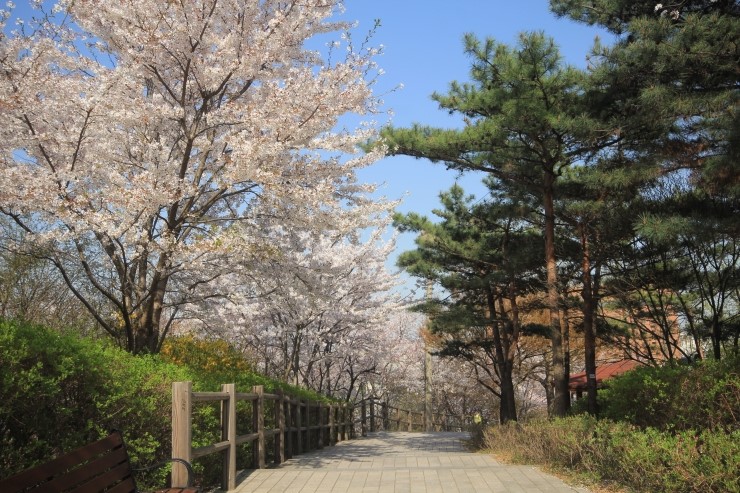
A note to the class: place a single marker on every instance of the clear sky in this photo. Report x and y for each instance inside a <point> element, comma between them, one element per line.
<point>423,46</point>
<point>422,42</point>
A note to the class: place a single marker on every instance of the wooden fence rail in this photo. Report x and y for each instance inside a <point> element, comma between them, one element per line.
<point>299,426</point>
<point>383,416</point>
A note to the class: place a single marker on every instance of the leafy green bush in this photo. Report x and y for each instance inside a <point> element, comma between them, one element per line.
<point>645,460</point>
<point>60,391</point>
<point>669,429</point>
<point>49,386</point>
<point>677,397</point>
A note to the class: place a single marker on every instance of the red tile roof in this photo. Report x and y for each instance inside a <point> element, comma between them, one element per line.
<point>603,372</point>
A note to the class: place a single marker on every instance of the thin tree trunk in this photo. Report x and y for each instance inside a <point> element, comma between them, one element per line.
<point>558,376</point>
<point>589,333</point>
<point>506,384</point>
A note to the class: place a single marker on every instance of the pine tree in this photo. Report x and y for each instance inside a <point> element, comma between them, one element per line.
<point>670,83</point>
<point>524,126</point>
<point>484,257</point>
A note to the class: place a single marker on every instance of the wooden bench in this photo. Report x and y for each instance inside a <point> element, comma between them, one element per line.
<point>96,467</point>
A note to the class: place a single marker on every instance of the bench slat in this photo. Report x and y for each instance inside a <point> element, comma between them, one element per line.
<point>99,466</point>
<point>118,475</point>
<point>48,471</point>
<point>90,469</point>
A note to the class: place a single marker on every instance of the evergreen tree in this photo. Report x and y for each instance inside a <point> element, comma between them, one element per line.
<point>485,258</point>
<point>670,83</point>
<point>595,213</point>
<point>524,126</point>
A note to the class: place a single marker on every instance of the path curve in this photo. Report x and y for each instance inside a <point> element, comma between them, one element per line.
<point>400,462</point>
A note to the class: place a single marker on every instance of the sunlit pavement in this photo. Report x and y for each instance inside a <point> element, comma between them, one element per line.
<point>400,462</point>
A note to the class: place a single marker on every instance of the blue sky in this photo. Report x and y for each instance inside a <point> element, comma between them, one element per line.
<point>422,42</point>
<point>423,51</point>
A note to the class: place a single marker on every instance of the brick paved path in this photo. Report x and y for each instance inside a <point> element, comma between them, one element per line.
<point>400,462</point>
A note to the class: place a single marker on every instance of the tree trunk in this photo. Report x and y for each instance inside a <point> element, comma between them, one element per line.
<point>565,330</point>
<point>506,384</point>
<point>717,336</point>
<point>558,376</point>
<point>589,333</point>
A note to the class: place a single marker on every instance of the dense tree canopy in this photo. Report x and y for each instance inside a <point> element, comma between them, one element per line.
<point>144,142</point>
<point>634,163</point>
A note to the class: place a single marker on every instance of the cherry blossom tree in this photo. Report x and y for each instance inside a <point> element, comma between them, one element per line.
<point>144,142</point>
<point>315,313</point>
<point>399,375</point>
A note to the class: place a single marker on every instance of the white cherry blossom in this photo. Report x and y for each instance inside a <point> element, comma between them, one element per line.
<point>147,144</point>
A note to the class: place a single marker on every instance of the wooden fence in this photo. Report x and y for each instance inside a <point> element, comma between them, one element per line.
<point>391,418</point>
<point>297,426</point>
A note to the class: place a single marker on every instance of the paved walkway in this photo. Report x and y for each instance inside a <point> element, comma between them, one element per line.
<point>400,462</point>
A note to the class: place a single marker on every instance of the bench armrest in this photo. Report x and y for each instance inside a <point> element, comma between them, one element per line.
<point>191,473</point>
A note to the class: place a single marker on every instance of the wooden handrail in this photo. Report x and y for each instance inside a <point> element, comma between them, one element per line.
<point>301,425</point>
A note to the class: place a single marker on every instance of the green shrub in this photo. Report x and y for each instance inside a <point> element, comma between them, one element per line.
<point>59,391</point>
<point>48,389</point>
<point>677,397</point>
<point>645,460</point>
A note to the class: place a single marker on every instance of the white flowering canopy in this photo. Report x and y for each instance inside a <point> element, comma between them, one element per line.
<point>144,142</point>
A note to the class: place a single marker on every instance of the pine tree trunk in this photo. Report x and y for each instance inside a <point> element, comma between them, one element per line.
<point>504,367</point>
<point>717,337</point>
<point>559,377</point>
<point>589,334</point>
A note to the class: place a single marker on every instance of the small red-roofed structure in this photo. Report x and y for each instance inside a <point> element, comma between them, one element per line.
<point>577,382</point>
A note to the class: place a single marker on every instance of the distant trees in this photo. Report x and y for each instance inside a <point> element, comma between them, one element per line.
<point>484,259</point>
<point>316,314</point>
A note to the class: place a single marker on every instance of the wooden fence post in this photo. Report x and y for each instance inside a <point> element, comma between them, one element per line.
<point>307,426</point>
<point>352,422</point>
<point>307,438</point>
<point>289,420</point>
<point>258,422</point>
<point>181,430</point>
<point>386,420</point>
<point>299,426</point>
<point>342,422</point>
<point>228,433</point>
<point>320,420</point>
<point>332,431</point>
<point>280,419</point>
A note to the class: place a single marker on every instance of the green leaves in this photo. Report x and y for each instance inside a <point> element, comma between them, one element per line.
<point>522,108</point>
<point>619,454</point>
<point>658,397</point>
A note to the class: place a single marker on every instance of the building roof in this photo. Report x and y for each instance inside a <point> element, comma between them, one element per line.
<point>603,372</point>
